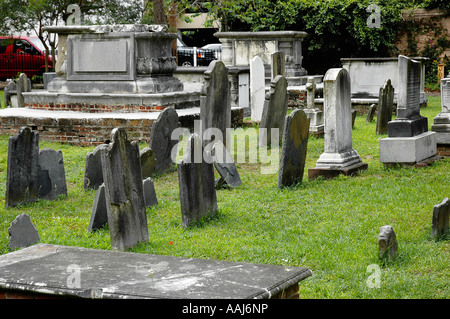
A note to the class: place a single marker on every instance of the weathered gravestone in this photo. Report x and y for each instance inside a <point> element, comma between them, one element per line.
<point>257,88</point>
<point>22,232</point>
<point>278,64</point>
<point>160,138</point>
<point>51,175</point>
<point>22,170</point>
<point>441,124</point>
<point>440,221</point>
<point>23,85</point>
<point>274,112</point>
<point>385,107</point>
<point>148,162</point>
<point>9,91</point>
<point>293,152</point>
<point>99,215</point>
<point>224,164</point>
<point>148,187</point>
<point>371,113</point>
<point>314,114</point>
<point>338,157</point>
<point>123,191</point>
<point>387,243</point>
<point>93,174</point>
<point>215,101</point>
<point>196,184</point>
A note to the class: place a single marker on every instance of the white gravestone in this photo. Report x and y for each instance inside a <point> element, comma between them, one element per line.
<point>257,88</point>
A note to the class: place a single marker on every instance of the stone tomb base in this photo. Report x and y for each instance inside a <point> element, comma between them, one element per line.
<point>72,272</point>
<point>332,172</point>
<point>408,150</point>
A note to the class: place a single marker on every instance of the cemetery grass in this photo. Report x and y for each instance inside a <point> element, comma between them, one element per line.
<point>328,226</point>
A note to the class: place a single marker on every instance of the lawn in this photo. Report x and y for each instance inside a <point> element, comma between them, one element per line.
<point>328,226</point>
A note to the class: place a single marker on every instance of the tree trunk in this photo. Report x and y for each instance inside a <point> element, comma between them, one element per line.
<point>159,12</point>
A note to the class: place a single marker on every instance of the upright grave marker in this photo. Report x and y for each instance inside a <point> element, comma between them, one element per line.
<point>440,222</point>
<point>385,107</point>
<point>51,175</point>
<point>314,114</point>
<point>22,232</point>
<point>442,121</point>
<point>148,162</point>
<point>257,88</point>
<point>99,215</point>
<point>278,64</point>
<point>93,174</point>
<point>387,243</point>
<point>23,85</point>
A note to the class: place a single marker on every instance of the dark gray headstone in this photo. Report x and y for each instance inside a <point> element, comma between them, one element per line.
<point>150,198</point>
<point>93,174</point>
<point>387,243</point>
<point>22,171</point>
<point>385,107</point>
<point>125,205</point>
<point>196,184</point>
<point>160,138</point>
<point>51,173</point>
<point>99,215</point>
<point>441,215</point>
<point>274,111</point>
<point>293,152</point>
<point>353,118</point>
<point>148,162</point>
<point>224,164</point>
<point>371,113</point>
<point>22,232</point>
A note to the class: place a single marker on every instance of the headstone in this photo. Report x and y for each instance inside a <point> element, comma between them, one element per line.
<point>274,112</point>
<point>148,162</point>
<point>99,215</point>
<point>293,152</point>
<point>371,113</point>
<point>93,174</point>
<point>160,138</point>
<point>51,173</point>
<point>23,85</point>
<point>22,170</point>
<point>9,90</point>
<point>353,118</point>
<point>278,64</point>
<point>224,164</point>
<point>440,222</point>
<point>196,184</point>
<point>215,100</point>
<point>125,204</point>
<point>150,198</point>
<point>22,232</point>
<point>257,88</point>
<point>314,114</point>
<point>441,123</point>
<point>338,157</point>
<point>385,107</point>
<point>387,243</point>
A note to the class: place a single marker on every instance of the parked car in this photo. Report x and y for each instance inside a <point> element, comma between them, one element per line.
<point>21,55</point>
<point>216,47</point>
<point>186,55</point>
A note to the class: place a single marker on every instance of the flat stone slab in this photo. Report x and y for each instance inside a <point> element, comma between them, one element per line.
<point>329,173</point>
<point>117,275</point>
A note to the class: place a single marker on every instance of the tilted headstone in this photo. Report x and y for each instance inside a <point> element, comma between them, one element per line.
<point>274,112</point>
<point>99,215</point>
<point>385,107</point>
<point>314,114</point>
<point>22,170</point>
<point>215,101</point>
<point>51,173</point>
<point>148,162</point>
<point>257,88</point>
<point>224,164</point>
<point>125,204</point>
<point>93,174</point>
<point>441,124</point>
<point>387,243</point>
<point>440,221</point>
<point>160,138</point>
<point>196,184</point>
<point>278,64</point>
<point>371,113</point>
<point>293,152</point>
<point>23,85</point>
<point>150,198</point>
<point>22,232</point>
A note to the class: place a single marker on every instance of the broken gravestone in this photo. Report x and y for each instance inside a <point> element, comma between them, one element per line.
<point>387,243</point>
<point>99,215</point>
<point>51,175</point>
<point>148,162</point>
<point>224,164</point>
<point>440,222</point>
<point>150,198</point>
<point>371,113</point>
<point>293,152</point>
<point>125,205</point>
<point>93,175</point>
<point>385,107</point>
<point>22,168</point>
<point>22,232</point>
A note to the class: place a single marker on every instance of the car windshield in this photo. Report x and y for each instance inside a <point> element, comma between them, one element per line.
<point>37,43</point>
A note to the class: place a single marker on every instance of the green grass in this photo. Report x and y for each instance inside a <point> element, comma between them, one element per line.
<point>330,227</point>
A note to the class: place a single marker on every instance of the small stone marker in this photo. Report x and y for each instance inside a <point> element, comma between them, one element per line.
<point>387,243</point>
<point>125,204</point>
<point>23,85</point>
<point>441,123</point>
<point>196,184</point>
<point>371,113</point>
<point>148,162</point>
<point>51,173</point>
<point>314,114</point>
<point>278,64</point>
<point>160,138</point>
<point>22,232</point>
<point>9,90</point>
<point>93,174</point>
<point>99,215</point>
<point>440,222</point>
<point>150,198</point>
<point>22,170</point>
<point>257,88</point>
<point>293,152</point>
<point>385,107</point>
<point>353,118</point>
<point>224,164</point>
<point>274,112</point>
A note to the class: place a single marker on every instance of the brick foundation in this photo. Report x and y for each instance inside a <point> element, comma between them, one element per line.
<point>443,150</point>
<point>95,108</point>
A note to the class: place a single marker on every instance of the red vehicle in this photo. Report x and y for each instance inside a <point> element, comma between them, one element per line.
<point>22,55</point>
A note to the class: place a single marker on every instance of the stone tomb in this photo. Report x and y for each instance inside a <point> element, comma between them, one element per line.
<point>385,107</point>
<point>22,232</point>
<point>338,157</point>
<point>441,123</point>
<point>440,222</point>
<point>51,175</point>
<point>257,88</point>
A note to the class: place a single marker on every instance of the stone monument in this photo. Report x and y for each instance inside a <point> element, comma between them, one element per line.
<point>51,174</point>
<point>442,121</point>
<point>385,107</point>
<point>257,88</point>
<point>315,115</point>
<point>440,221</point>
<point>22,232</point>
<point>387,243</point>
